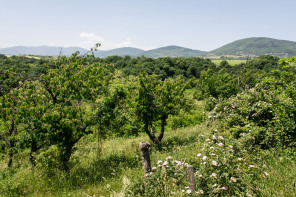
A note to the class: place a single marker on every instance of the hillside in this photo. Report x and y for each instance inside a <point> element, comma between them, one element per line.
<point>133,52</point>
<point>173,51</point>
<point>258,46</point>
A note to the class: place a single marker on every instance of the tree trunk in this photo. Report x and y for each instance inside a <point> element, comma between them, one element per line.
<point>151,136</point>
<point>163,123</point>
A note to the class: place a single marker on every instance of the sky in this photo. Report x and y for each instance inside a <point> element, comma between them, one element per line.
<point>145,24</point>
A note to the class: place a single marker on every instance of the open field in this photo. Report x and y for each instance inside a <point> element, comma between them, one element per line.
<point>231,62</point>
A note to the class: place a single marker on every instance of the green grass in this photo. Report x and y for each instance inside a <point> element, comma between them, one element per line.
<point>231,62</point>
<point>118,165</point>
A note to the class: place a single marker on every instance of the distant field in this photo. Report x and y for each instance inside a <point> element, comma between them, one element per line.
<point>231,62</point>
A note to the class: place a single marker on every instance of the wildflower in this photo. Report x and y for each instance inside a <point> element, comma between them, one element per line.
<point>240,159</point>
<point>168,158</point>
<point>186,187</point>
<point>154,168</point>
<point>215,185</point>
<point>266,173</point>
<point>224,188</point>
<point>159,162</point>
<point>220,144</point>
<point>214,175</point>
<point>198,154</point>
<point>189,191</point>
<point>212,148</point>
<point>252,166</point>
<point>214,137</point>
<point>233,179</point>
<point>165,163</point>
<point>207,140</point>
<point>214,163</point>
<point>200,175</point>
<point>230,146</point>
<point>204,157</point>
<point>213,154</point>
<point>201,191</point>
<point>220,137</point>
<point>183,191</point>
<point>204,163</point>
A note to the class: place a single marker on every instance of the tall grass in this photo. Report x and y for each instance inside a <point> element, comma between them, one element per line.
<point>114,169</point>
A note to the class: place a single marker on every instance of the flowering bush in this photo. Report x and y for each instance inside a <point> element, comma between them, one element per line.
<point>265,113</point>
<point>222,167</point>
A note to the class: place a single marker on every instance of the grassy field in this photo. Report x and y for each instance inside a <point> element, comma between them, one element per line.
<point>231,62</point>
<point>117,167</point>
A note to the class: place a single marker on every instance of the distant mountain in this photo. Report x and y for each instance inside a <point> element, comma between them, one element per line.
<point>42,50</point>
<point>249,46</point>
<point>133,52</point>
<point>173,51</point>
<point>258,46</point>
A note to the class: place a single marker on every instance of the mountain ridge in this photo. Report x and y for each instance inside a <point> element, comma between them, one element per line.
<point>255,46</point>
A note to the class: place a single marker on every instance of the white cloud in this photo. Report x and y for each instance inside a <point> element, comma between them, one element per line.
<point>92,39</point>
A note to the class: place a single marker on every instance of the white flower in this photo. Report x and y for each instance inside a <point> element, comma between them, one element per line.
<point>252,166</point>
<point>214,137</point>
<point>214,163</point>
<point>212,148</point>
<point>165,163</point>
<point>240,159</point>
<point>204,157</point>
<point>201,191</point>
<point>233,179</point>
<point>198,154</point>
<point>213,154</point>
<point>169,157</point>
<point>214,175</point>
<point>159,162</point>
<point>224,188</point>
<point>183,190</point>
<point>220,144</point>
<point>189,191</point>
<point>200,175</point>
<point>154,168</point>
<point>215,185</point>
<point>207,140</point>
<point>220,137</point>
<point>266,173</point>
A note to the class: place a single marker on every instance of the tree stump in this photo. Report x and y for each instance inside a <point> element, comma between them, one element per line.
<point>144,147</point>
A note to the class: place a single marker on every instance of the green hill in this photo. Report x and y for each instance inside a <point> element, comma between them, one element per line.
<point>133,52</point>
<point>173,51</point>
<point>258,46</point>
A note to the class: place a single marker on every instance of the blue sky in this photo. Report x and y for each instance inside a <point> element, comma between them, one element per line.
<point>197,24</point>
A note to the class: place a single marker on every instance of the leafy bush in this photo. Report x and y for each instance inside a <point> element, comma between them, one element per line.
<point>266,112</point>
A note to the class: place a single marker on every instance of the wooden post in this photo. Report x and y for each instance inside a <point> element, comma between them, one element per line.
<point>191,179</point>
<point>144,147</point>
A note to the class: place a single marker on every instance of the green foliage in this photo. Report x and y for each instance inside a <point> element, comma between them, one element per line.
<point>115,110</point>
<point>157,100</point>
<point>266,112</point>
